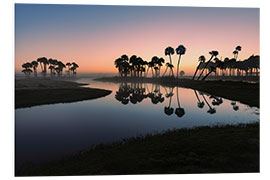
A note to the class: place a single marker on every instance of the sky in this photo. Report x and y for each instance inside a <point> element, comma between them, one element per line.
<point>94,36</point>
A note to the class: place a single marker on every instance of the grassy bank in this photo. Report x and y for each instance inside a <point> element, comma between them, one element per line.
<point>247,93</point>
<point>32,92</point>
<point>227,149</point>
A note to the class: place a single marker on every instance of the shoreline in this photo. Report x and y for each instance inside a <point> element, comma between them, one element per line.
<point>246,93</point>
<point>41,91</point>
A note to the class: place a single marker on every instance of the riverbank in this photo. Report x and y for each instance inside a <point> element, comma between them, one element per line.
<point>219,149</point>
<point>244,92</point>
<point>40,91</point>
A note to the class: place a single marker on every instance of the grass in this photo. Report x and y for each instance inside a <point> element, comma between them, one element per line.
<point>247,93</point>
<point>219,149</point>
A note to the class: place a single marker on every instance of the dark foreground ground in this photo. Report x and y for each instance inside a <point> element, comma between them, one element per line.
<point>32,92</point>
<point>247,93</point>
<point>226,149</point>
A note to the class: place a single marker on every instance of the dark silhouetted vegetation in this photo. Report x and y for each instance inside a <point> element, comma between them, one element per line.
<point>55,67</point>
<point>218,149</point>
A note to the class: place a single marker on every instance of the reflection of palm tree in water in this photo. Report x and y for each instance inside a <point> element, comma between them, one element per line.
<point>200,103</point>
<point>123,94</point>
<point>216,100</point>
<point>169,110</point>
<point>211,110</point>
<point>235,107</point>
<point>179,111</point>
<point>155,95</point>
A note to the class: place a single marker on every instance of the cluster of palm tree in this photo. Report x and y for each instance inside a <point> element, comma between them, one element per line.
<point>227,67</point>
<point>55,66</point>
<point>136,66</point>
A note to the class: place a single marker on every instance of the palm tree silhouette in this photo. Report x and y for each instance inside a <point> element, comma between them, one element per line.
<point>179,111</point>
<point>201,60</point>
<point>213,54</point>
<point>27,71</point>
<point>200,104</point>
<point>74,68</point>
<point>44,61</point>
<point>35,65</point>
<point>169,110</point>
<point>155,60</point>
<point>118,64</point>
<point>68,64</point>
<point>211,110</point>
<point>168,52</point>
<point>180,50</point>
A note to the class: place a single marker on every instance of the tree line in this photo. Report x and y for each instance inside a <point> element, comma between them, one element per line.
<point>54,66</point>
<point>137,67</point>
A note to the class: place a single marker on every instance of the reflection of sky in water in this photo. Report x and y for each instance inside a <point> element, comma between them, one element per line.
<point>45,132</point>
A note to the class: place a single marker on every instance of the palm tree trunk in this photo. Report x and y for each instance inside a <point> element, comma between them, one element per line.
<point>196,71</point>
<point>178,66</point>
<point>165,71</point>
<point>205,67</point>
<point>207,75</point>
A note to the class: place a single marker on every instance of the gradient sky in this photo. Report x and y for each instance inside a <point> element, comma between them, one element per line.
<point>94,36</point>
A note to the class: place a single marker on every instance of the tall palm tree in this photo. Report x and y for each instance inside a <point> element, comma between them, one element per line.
<point>238,48</point>
<point>180,50</point>
<point>168,52</point>
<point>201,60</point>
<point>35,65</point>
<point>44,61</point>
<point>132,61</point>
<point>213,54</point>
<point>160,64</point>
<point>155,60</point>
<point>118,64</point>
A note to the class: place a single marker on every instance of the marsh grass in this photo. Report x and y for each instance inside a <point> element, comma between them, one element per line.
<point>218,149</point>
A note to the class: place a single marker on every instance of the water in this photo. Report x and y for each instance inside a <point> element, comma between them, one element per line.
<point>49,132</point>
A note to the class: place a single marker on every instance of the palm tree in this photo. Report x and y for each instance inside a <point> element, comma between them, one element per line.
<point>60,67</point>
<point>155,60</point>
<point>201,60</point>
<point>68,64</point>
<point>168,52</point>
<point>132,61</point>
<point>179,111</point>
<point>35,65</point>
<point>118,64</point>
<point>238,48</point>
<point>44,61</point>
<point>213,54</point>
<point>51,68</point>
<point>180,50</point>
<point>160,64</point>
<point>74,68</point>
<point>27,71</point>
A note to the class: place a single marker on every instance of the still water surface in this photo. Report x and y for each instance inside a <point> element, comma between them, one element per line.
<point>52,131</point>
